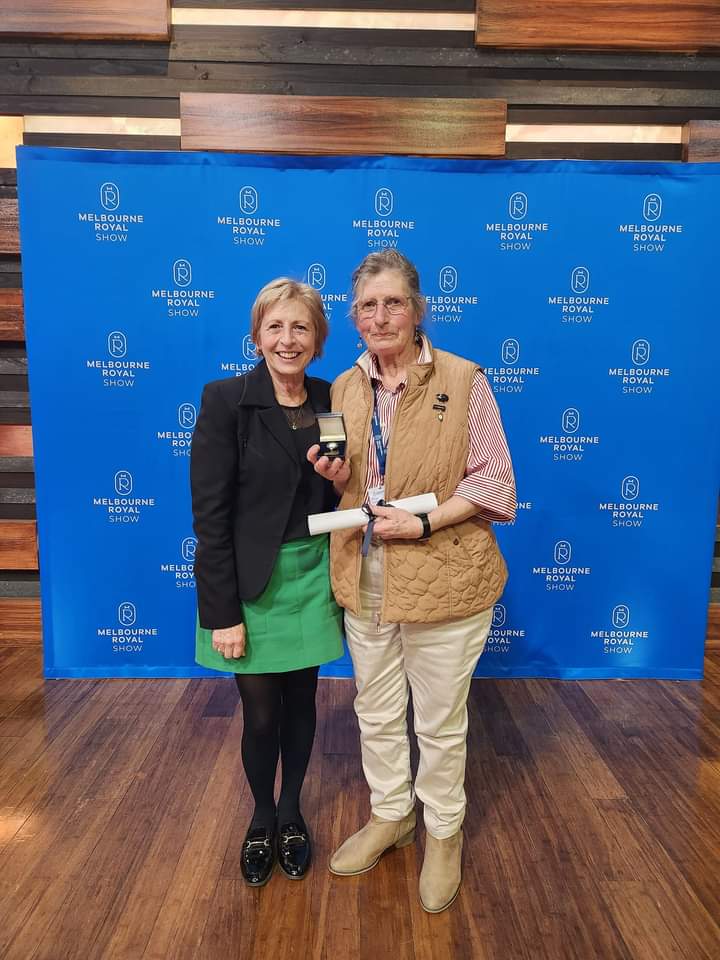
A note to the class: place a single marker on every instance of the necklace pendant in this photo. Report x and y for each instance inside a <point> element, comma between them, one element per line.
<point>294,426</point>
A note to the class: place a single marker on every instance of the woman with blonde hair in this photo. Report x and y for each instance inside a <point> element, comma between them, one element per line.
<point>265,607</point>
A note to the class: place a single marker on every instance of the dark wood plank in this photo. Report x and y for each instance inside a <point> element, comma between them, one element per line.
<point>119,81</point>
<point>713,634</point>
<point>102,141</point>
<point>12,322</point>
<point>18,545</point>
<point>605,24</point>
<point>89,106</point>
<point>593,151</point>
<point>326,48</point>
<point>73,19</point>
<point>20,620</point>
<point>701,141</point>
<point>276,124</point>
<point>9,230</point>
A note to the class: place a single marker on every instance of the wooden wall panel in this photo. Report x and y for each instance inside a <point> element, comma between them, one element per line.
<point>12,325</point>
<point>443,6</point>
<point>713,628</point>
<point>9,230</point>
<point>344,125</point>
<point>18,545</point>
<point>129,92</point>
<point>15,440</point>
<point>701,141</point>
<point>20,620</point>
<point>682,25</point>
<point>96,19</point>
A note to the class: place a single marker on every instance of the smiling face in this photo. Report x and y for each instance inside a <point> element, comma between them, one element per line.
<point>286,339</point>
<point>389,335</point>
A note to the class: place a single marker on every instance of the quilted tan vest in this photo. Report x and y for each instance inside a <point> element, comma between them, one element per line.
<point>459,571</point>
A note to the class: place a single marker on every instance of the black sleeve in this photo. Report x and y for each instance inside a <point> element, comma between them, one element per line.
<point>213,478</point>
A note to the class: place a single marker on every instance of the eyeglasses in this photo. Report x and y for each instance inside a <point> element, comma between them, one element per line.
<point>367,309</point>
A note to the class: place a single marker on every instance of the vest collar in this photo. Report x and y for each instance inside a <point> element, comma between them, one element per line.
<point>417,372</point>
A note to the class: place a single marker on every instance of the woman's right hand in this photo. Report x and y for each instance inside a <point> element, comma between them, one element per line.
<point>230,641</point>
<point>335,469</point>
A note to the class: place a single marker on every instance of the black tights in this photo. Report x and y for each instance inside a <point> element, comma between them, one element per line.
<point>278,720</point>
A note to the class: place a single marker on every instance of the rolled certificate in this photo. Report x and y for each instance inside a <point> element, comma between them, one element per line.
<point>346,519</point>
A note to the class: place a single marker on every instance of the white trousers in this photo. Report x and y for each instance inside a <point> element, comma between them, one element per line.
<point>436,661</point>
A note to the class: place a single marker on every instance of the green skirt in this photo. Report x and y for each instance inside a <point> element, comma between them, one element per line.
<point>294,623</point>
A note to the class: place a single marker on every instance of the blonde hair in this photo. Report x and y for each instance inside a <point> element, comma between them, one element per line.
<point>375,263</point>
<point>283,290</point>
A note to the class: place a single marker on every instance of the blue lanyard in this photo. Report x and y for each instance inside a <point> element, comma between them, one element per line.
<point>380,445</point>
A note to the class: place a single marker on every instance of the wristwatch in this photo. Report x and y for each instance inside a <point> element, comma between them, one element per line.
<point>426,530</point>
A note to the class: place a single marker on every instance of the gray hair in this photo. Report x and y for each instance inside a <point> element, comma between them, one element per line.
<point>375,263</point>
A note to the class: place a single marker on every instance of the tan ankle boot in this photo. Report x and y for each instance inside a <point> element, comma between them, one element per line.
<point>363,849</point>
<point>441,872</point>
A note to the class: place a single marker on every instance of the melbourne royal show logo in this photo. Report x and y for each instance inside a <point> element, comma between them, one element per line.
<point>639,378</point>
<point>117,371</point>
<point>107,223</point>
<point>384,230</point>
<point>510,377</point>
<point>246,228</point>
<point>651,235</point>
<point>620,638</point>
<point>448,304</point>
<point>518,234</point>
<point>183,573</point>
<point>561,575</point>
<point>629,510</point>
<point>317,277</point>
<point>123,507</point>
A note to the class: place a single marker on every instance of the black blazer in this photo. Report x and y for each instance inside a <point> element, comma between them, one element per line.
<point>244,474</point>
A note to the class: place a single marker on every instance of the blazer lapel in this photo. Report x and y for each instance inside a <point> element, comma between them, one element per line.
<point>273,419</point>
<point>259,394</point>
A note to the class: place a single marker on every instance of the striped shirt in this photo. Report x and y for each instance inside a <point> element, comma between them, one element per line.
<point>489,482</point>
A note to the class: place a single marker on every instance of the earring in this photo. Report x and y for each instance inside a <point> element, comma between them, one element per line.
<point>359,344</point>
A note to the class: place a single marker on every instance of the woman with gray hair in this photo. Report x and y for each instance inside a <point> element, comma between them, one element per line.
<point>418,591</point>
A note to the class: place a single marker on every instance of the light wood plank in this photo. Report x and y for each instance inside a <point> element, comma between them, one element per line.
<point>343,125</point>
<point>659,25</point>
<point>12,325</point>
<point>80,19</point>
<point>20,620</point>
<point>324,19</point>
<point>18,545</point>
<point>15,440</point>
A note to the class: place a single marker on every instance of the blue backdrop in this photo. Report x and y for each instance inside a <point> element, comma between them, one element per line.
<point>586,290</point>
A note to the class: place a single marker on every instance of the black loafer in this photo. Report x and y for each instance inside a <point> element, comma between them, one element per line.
<point>258,856</point>
<point>294,850</point>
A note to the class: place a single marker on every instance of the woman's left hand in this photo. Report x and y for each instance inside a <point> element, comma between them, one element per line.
<point>395,524</point>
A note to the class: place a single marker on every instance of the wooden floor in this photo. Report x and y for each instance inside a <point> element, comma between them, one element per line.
<point>593,827</point>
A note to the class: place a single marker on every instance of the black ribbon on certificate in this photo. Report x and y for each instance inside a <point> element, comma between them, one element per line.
<point>367,510</point>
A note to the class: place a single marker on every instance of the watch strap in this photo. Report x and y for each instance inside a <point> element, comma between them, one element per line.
<point>426,530</point>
